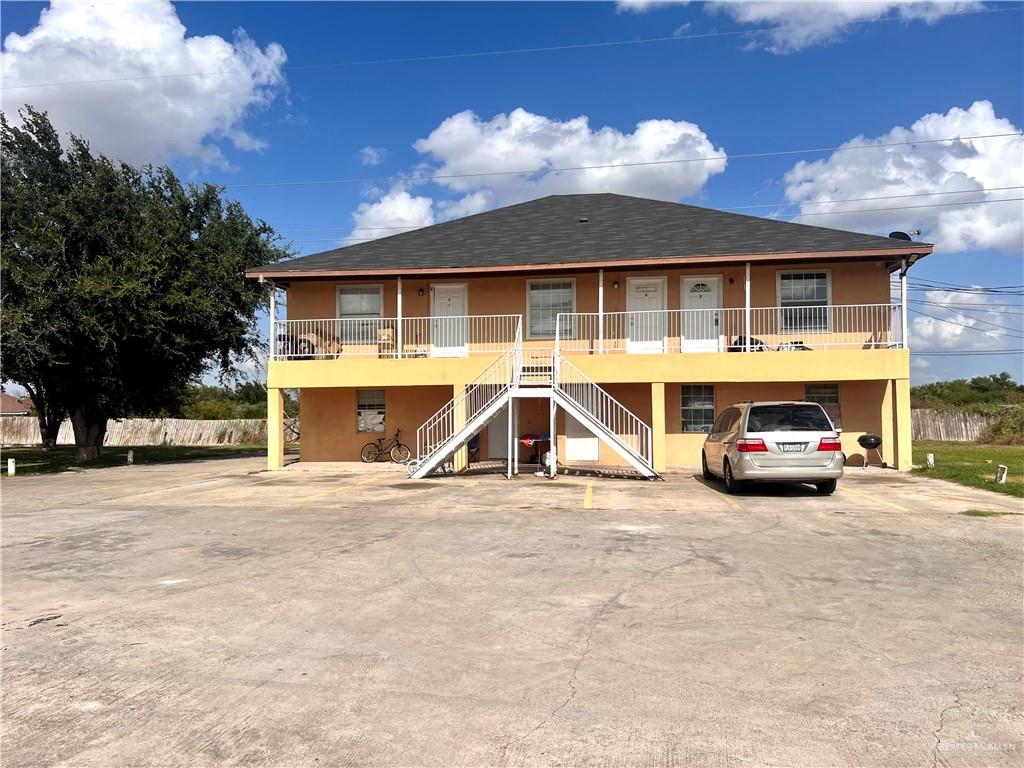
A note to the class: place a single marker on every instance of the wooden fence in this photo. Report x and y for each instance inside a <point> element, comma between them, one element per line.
<point>24,430</point>
<point>958,426</point>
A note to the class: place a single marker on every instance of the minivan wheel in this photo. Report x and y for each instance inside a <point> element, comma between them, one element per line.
<point>732,485</point>
<point>705,472</point>
<point>826,488</point>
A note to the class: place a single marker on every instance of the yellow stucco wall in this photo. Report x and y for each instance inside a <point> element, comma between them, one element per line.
<point>329,419</point>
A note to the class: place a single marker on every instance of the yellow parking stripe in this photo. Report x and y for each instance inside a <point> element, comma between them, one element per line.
<point>588,497</point>
<point>728,499</point>
<point>873,498</point>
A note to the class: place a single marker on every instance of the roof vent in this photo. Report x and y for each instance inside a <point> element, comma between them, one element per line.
<point>899,236</point>
<point>584,219</point>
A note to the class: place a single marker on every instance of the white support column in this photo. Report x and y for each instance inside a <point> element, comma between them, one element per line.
<point>398,303</point>
<point>553,434</point>
<point>746,308</point>
<point>600,311</point>
<point>515,436</point>
<point>903,304</point>
<point>512,441</point>
<point>273,317</point>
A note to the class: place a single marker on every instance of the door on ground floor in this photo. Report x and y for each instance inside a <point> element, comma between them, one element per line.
<point>449,326</point>
<point>645,301</point>
<point>702,315</point>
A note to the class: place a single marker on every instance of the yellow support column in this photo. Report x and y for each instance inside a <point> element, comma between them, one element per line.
<point>275,428</point>
<point>901,425</point>
<point>460,460</point>
<point>658,426</point>
<point>888,422</point>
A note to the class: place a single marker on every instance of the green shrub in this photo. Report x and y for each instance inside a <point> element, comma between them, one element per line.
<point>1007,429</point>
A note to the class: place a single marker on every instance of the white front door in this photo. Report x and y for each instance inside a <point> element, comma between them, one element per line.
<point>702,316</point>
<point>580,442</point>
<point>646,326</point>
<point>449,326</point>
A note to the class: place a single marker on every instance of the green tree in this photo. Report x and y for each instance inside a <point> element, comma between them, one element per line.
<point>120,286</point>
<point>982,393</point>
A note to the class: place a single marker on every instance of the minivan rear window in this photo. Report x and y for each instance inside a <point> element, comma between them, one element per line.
<point>788,418</point>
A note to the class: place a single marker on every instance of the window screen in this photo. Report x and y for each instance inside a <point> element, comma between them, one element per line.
<point>827,396</point>
<point>369,410</point>
<point>546,298</point>
<point>698,407</point>
<point>803,297</point>
<point>359,307</point>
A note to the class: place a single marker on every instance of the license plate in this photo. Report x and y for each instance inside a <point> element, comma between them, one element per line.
<point>792,447</point>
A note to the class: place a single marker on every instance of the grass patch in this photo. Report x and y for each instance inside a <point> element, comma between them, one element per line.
<point>36,461</point>
<point>972,465</point>
<point>982,513</point>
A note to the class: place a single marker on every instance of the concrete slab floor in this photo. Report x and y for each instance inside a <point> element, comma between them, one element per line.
<point>209,614</point>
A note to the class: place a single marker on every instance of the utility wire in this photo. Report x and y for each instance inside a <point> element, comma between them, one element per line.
<point>603,166</point>
<point>964,325</point>
<point>822,213</point>
<point>970,353</point>
<point>726,208</point>
<point>906,207</point>
<point>974,319</point>
<point>476,54</point>
<point>987,308</point>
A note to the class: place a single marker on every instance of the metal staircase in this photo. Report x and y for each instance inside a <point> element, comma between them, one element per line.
<point>531,373</point>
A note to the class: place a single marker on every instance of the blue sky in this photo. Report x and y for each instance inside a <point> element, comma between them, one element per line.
<point>302,121</point>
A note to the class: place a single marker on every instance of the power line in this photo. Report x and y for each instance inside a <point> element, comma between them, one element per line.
<point>964,325</point>
<point>476,54</point>
<point>969,353</point>
<point>924,280</point>
<point>907,207</point>
<point>987,308</point>
<point>972,319</point>
<point>725,208</point>
<point>603,166</point>
<point>352,241</point>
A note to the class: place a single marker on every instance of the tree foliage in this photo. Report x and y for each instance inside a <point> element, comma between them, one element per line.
<point>120,285</point>
<point>982,393</point>
<point>248,400</point>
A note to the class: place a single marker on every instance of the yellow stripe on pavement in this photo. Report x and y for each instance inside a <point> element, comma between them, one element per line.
<point>873,498</point>
<point>588,497</point>
<point>728,499</point>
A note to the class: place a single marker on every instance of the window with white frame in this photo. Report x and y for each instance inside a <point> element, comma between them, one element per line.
<point>544,301</point>
<point>698,407</point>
<point>369,410</point>
<point>804,298</point>
<point>827,396</point>
<point>359,310</point>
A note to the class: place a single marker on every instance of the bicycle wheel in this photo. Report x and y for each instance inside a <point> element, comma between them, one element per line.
<point>400,453</point>
<point>369,453</point>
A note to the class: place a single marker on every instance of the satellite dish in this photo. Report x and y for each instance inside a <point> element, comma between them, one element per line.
<point>899,236</point>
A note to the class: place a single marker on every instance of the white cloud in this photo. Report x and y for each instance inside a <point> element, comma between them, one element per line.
<point>962,320</point>
<point>468,146</point>
<point>797,24</point>
<point>395,212</point>
<point>140,120</point>
<point>971,165</point>
<point>372,155</point>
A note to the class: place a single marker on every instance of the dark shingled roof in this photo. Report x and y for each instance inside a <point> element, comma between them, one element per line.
<point>552,230</point>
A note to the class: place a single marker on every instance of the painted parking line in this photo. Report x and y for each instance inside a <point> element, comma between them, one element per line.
<point>873,498</point>
<point>588,497</point>
<point>726,497</point>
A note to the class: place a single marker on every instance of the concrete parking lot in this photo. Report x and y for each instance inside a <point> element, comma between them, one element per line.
<point>208,614</point>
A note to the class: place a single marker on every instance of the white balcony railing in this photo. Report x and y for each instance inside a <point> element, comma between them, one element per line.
<point>862,326</point>
<point>389,337</point>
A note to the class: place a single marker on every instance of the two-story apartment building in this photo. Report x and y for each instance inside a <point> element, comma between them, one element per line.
<point>616,327</point>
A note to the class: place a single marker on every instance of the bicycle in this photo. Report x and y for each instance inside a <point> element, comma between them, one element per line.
<point>398,451</point>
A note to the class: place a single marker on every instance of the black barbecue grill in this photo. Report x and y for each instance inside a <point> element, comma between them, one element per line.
<point>871,443</point>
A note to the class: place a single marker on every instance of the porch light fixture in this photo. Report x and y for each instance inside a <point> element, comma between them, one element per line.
<point>419,292</point>
<point>615,284</point>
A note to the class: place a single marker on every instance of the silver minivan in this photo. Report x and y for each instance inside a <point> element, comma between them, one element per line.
<point>778,442</point>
